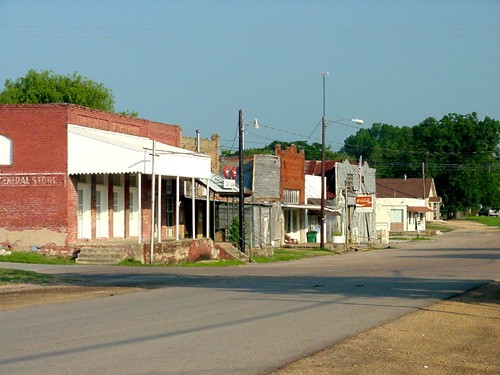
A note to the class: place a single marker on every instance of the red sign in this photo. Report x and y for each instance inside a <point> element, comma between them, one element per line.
<point>364,201</point>
<point>229,173</point>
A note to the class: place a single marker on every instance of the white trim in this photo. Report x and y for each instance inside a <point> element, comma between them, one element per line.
<point>310,207</point>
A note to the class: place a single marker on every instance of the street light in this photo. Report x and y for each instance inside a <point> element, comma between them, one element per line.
<point>323,131</point>
<point>241,208</point>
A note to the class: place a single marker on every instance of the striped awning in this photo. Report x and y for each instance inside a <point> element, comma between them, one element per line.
<point>93,151</point>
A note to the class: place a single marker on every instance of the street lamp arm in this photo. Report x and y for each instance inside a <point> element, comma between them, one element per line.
<point>355,120</point>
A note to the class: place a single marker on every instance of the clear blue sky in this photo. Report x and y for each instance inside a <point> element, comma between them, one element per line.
<point>196,63</point>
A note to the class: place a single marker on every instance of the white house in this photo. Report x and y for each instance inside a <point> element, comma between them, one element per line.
<point>401,214</point>
<point>405,205</point>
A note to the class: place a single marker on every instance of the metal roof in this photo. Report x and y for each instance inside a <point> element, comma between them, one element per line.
<point>93,151</point>
<point>217,185</point>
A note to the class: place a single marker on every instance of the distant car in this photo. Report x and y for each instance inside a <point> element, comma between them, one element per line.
<point>486,211</point>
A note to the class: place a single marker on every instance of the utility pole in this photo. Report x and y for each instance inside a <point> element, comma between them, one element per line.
<point>241,212</point>
<point>323,131</point>
<point>423,180</point>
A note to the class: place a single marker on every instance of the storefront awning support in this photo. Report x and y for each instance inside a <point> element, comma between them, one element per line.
<point>193,210</point>
<point>139,207</point>
<point>152,203</point>
<point>158,211</point>
<point>177,208</point>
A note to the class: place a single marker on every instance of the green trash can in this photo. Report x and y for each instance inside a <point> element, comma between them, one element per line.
<point>311,236</point>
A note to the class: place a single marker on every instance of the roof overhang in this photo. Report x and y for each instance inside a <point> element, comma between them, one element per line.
<point>435,199</point>
<point>217,185</point>
<point>420,209</point>
<point>93,151</point>
<point>315,209</point>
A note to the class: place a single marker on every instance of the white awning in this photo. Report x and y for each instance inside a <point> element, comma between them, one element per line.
<point>329,210</point>
<point>92,151</point>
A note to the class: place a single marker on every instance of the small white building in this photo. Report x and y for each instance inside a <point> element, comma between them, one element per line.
<point>401,214</point>
<point>405,204</point>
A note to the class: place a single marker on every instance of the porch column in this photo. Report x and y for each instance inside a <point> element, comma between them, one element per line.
<point>177,208</point>
<point>158,211</point>
<point>306,220</point>
<point>139,207</point>
<point>193,210</point>
<point>208,208</point>
<point>152,233</point>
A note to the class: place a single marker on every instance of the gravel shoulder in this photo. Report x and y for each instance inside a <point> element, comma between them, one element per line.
<point>457,336</point>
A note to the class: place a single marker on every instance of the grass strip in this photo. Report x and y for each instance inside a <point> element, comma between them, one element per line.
<point>284,255</point>
<point>35,258</point>
<point>10,276</point>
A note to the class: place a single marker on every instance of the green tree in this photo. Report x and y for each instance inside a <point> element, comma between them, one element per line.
<point>388,148</point>
<point>311,151</point>
<point>234,232</point>
<point>48,87</point>
<point>129,113</point>
<point>460,152</point>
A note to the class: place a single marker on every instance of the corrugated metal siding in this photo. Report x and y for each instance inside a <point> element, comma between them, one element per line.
<point>266,177</point>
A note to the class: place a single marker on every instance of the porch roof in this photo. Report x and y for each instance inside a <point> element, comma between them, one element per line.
<point>217,185</point>
<point>315,209</point>
<point>93,151</point>
<point>421,209</point>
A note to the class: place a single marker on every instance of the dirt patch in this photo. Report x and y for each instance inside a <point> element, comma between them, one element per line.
<point>456,336</point>
<point>466,224</point>
<point>23,295</point>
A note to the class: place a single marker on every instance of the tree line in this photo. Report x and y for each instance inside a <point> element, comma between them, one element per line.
<point>460,152</point>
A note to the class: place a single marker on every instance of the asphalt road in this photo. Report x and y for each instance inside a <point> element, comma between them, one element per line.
<point>238,320</point>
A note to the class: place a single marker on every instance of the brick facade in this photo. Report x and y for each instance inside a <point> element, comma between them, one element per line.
<point>292,170</point>
<point>38,200</point>
<point>207,146</point>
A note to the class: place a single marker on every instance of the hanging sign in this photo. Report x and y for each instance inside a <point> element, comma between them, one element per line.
<point>364,203</point>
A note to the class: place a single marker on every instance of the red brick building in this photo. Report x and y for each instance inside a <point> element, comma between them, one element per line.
<point>70,174</point>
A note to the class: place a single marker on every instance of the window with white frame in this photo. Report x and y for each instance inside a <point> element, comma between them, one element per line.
<point>291,196</point>
<point>396,216</point>
<point>5,150</point>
